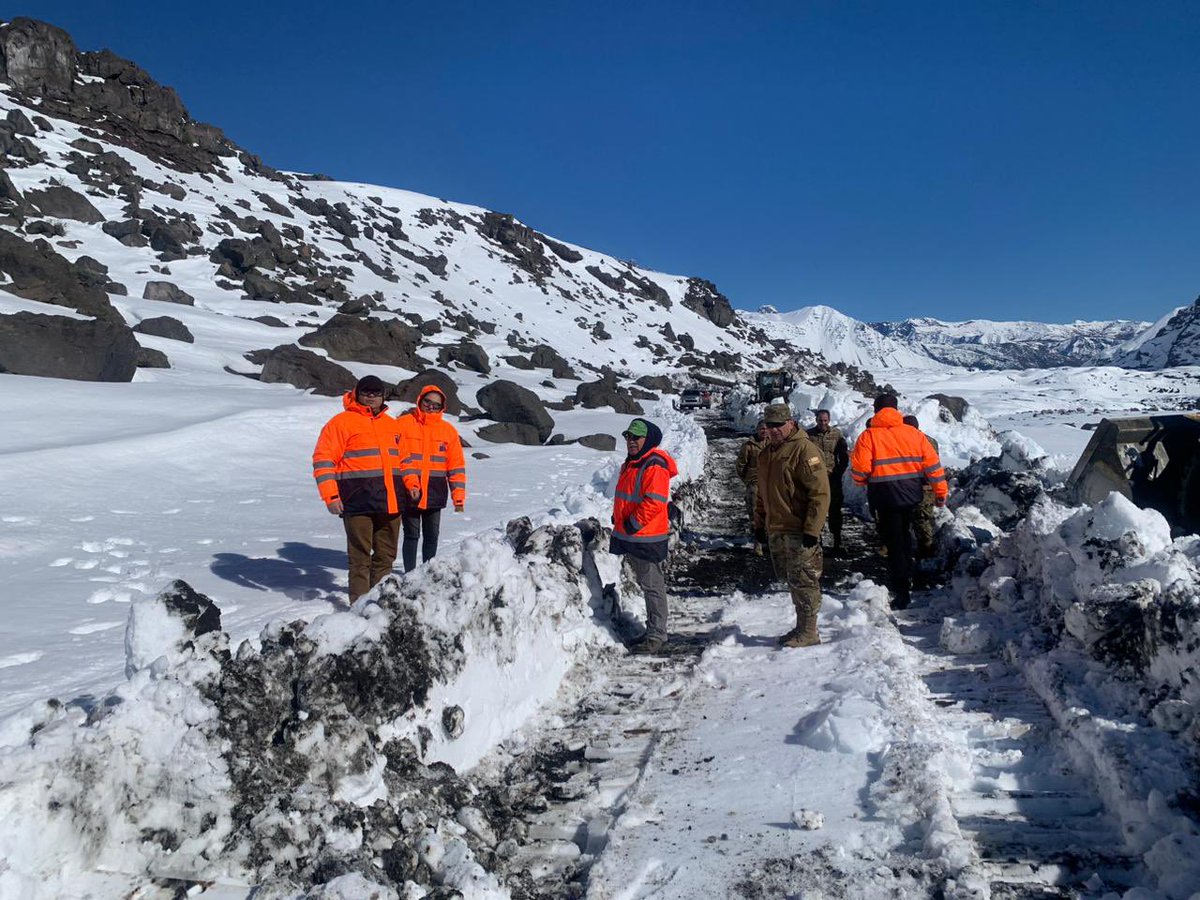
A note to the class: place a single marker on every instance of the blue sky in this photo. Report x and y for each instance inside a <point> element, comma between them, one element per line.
<point>957,159</point>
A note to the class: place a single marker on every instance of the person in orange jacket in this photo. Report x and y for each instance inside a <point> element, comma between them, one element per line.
<point>894,461</point>
<point>356,464</point>
<point>641,525</point>
<point>434,472</point>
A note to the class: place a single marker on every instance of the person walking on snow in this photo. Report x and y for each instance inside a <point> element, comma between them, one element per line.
<point>793,501</point>
<point>837,459</point>
<point>434,473</point>
<point>641,525</point>
<point>356,464</point>
<point>746,468</point>
<point>923,514</point>
<point>893,461</point>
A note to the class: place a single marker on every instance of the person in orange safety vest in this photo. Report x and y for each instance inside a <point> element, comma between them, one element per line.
<point>894,461</point>
<point>641,524</point>
<point>434,473</point>
<point>356,464</point>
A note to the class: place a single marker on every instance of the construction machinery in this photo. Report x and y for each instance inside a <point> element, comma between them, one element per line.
<point>773,384</point>
<point>1152,460</point>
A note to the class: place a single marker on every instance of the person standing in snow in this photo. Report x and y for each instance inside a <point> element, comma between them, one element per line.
<point>793,502</point>
<point>434,473</point>
<point>641,525</point>
<point>834,451</point>
<point>893,461</point>
<point>356,464</point>
<point>746,468</point>
<point>923,514</point>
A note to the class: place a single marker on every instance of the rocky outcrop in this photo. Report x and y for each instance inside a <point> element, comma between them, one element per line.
<point>304,369</point>
<point>468,355</point>
<point>64,203</point>
<point>387,343</point>
<point>510,433</point>
<point>115,96</point>
<point>37,272</point>
<point>546,357</point>
<point>521,242</point>
<point>505,401</point>
<point>607,392</point>
<point>64,347</point>
<point>954,407</point>
<point>703,297</point>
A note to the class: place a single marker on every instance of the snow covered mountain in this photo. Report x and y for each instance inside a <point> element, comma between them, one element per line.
<point>837,337</point>
<point>1174,340</point>
<point>981,344</point>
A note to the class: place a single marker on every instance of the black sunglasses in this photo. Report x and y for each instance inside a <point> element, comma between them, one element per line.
<point>370,393</point>
<point>432,404</point>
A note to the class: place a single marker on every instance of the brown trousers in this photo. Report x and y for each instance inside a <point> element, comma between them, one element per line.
<point>371,542</point>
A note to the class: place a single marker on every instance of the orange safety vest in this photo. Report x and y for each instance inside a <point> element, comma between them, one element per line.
<point>894,461</point>
<point>432,457</point>
<point>357,460</point>
<point>641,524</point>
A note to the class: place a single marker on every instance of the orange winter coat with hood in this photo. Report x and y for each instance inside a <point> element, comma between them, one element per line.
<point>894,462</point>
<point>641,518</point>
<point>432,457</point>
<point>357,460</point>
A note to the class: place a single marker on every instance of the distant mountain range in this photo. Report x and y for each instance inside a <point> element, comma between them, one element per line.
<point>983,344</point>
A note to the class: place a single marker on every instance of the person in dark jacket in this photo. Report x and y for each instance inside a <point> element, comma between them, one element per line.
<point>832,444</point>
<point>641,525</point>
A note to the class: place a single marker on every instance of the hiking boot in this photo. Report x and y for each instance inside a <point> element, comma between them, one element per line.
<point>783,639</point>
<point>647,646</point>
<point>802,639</point>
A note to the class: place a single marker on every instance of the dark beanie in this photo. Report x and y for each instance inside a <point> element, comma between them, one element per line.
<point>886,401</point>
<point>370,383</point>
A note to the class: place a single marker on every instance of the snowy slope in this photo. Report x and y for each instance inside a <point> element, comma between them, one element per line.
<point>1174,340</point>
<point>837,337</point>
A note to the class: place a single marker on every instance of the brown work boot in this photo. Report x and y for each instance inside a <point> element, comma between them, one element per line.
<point>783,639</point>
<point>806,632</point>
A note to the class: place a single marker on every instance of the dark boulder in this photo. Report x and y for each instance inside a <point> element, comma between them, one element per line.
<point>606,392</point>
<point>352,338</point>
<point>510,433</point>
<point>166,327</point>
<point>167,293</point>
<point>605,442</point>
<point>288,364</point>
<point>546,357</point>
<point>37,272</point>
<point>521,241</point>
<point>62,347</point>
<point>64,203</point>
<point>45,229</point>
<point>468,355</point>
<point>408,391</point>
<point>149,358</point>
<point>243,255</point>
<point>267,290</point>
<point>20,123</point>
<point>505,401</point>
<point>660,383</point>
<point>951,407</point>
<point>123,230</point>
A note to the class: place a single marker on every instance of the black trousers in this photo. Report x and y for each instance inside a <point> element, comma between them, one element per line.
<point>895,528</point>
<point>418,523</point>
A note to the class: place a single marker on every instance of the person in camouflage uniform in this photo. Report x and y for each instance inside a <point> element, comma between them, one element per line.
<point>792,503</point>
<point>746,468</point>
<point>923,515</point>
<point>834,451</point>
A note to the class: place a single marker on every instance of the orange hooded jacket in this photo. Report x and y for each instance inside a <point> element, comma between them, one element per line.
<point>894,461</point>
<point>641,518</point>
<point>432,457</point>
<point>357,460</point>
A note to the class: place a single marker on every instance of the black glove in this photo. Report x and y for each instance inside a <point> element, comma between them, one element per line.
<point>810,540</point>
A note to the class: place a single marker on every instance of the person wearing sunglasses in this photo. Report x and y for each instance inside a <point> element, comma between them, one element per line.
<point>356,464</point>
<point>641,526</point>
<point>434,473</point>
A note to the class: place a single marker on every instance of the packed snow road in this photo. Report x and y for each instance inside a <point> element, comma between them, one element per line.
<point>895,760</point>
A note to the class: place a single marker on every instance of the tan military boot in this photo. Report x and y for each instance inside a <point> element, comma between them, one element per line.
<point>806,632</point>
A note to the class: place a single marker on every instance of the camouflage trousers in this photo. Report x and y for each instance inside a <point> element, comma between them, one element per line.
<point>923,525</point>
<point>800,567</point>
<point>751,500</point>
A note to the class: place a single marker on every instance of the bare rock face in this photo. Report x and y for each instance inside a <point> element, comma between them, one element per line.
<point>521,241</point>
<point>505,401</point>
<point>167,292</point>
<point>62,347</point>
<point>355,339</point>
<point>38,272</point>
<point>468,355</point>
<point>703,297</point>
<point>952,407</point>
<point>64,203</point>
<point>288,364</point>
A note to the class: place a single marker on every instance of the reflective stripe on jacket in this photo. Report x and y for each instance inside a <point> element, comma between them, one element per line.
<point>793,488</point>
<point>640,522</point>
<point>893,461</point>
<point>432,457</point>
<point>357,460</point>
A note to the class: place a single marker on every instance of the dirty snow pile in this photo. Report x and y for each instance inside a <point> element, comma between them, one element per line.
<point>1100,610</point>
<point>317,752</point>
